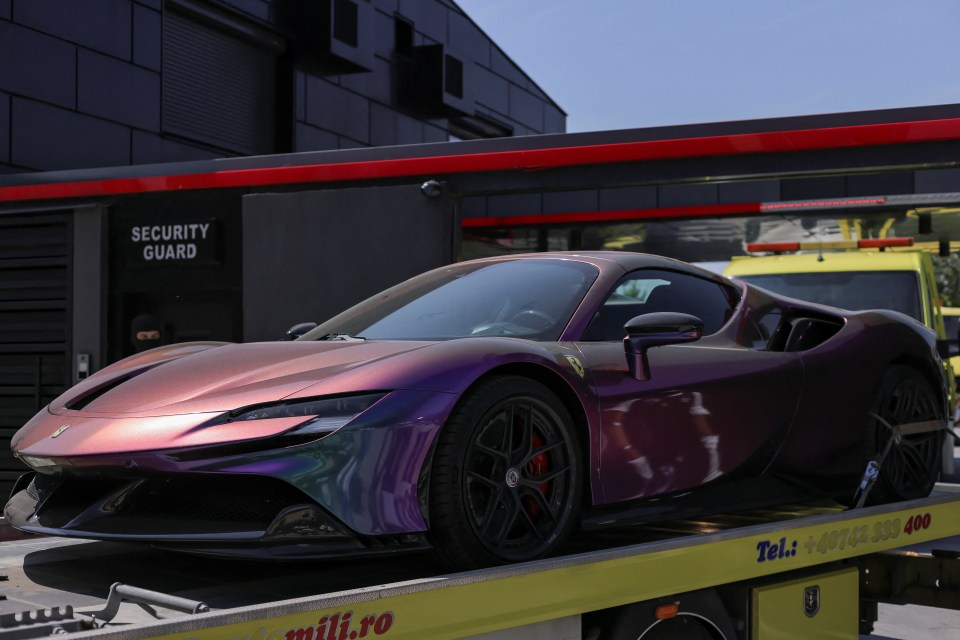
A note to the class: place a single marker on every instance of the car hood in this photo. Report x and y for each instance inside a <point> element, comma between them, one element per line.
<point>168,397</point>
<point>223,378</point>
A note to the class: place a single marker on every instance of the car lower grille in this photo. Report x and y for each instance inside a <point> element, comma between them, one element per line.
<point>236,498</point>
<point>175,504</point>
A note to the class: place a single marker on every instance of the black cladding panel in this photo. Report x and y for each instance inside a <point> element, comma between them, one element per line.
<point>35,276</point>
<point>749,191</point>
<point>118,91</point>
<point>147,33</point>
<point>808,188</point>
<point>333,250</point>
<point>149,148</point>
<point>628,198</point>
<point>217,88</point>
<point>47,74</point>
<point>687,195</point>
<point>880,184</point>
<point>938,181</point>
<point>570,201</point>
<point>4,127</point>
<point>101,25</point>
<point>39,130</point>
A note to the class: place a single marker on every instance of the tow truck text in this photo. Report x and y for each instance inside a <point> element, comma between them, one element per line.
<point>339,627</point>
<point>770,551</point>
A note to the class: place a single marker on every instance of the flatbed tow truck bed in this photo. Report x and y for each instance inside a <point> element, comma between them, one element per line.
<point>405,597</point>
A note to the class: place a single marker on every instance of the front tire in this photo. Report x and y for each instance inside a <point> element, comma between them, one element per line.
<point>505,481</point>
<point>911,467</point>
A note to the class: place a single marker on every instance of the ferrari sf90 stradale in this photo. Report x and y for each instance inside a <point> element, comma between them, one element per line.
<point>486,409</point>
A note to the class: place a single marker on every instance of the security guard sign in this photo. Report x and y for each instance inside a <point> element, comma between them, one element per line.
<point>187,241</point>
<point>811,600</point>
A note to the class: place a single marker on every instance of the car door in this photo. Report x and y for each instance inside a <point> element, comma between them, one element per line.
<point>708,408</point>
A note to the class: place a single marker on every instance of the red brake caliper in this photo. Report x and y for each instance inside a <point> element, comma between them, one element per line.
<point>538,466</point>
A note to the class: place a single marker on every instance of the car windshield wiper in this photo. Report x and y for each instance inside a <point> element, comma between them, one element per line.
<point>340,336</point>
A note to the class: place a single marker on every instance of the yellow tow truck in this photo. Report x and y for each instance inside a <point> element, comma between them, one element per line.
<point>800,572</point>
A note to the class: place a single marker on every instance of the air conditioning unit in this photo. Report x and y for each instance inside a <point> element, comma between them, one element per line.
<point>330,36</point>
<point>435,81</point>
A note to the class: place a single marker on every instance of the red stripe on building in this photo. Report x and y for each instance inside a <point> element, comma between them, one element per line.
<point>700,211</point>
<point>533,159</point>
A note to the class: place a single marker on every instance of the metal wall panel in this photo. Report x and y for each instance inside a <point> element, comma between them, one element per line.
<point>308,256</point>
<point>102,25</point>
<point>217,88</point>
<point>48,73</point>
<point>38,132</point>
<point>118,91</point>
<point>35,263</point>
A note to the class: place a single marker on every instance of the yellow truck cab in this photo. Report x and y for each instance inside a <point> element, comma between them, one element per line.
<point>900,280</point>
<point>903,280</point>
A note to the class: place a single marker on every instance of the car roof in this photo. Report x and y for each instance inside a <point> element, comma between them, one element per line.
<point>626,259</point>
<point>614,262</point>
<point>827,261</point>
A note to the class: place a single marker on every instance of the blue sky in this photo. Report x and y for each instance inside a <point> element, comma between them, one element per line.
<point>620,64</point>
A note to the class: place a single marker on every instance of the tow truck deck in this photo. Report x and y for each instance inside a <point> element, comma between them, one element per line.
<point>404,597</point>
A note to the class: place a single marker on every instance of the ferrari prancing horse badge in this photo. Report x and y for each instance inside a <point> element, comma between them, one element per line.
<point>577,366</point>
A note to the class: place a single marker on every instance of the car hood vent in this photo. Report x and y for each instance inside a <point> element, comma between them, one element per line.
<point>78,403</point>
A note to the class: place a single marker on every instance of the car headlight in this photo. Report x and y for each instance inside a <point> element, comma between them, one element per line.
<point>322,415</point>
<point>46,466</point>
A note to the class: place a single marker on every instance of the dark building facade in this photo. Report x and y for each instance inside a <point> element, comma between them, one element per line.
<point>119,82</point>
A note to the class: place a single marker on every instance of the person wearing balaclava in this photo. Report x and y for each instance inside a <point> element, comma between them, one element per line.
<point>146,332</point>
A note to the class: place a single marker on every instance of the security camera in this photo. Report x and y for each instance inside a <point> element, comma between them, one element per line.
<point>431,189</point>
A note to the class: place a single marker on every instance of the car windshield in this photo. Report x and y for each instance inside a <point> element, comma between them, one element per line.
<point>529,298</point>
<point>854,290</point>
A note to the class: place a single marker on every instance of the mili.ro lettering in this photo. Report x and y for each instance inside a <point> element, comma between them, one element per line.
<point>170,241</point>
<point>340,626</point>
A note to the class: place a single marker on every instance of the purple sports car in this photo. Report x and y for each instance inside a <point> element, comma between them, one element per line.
<point>486,409</point>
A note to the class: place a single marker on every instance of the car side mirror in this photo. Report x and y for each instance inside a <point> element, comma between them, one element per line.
<point>656,330</point>
<point>298,330</point>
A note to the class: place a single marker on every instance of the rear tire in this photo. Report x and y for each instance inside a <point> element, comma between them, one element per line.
<point>505,481</point>
<point>911,467</point>
<point>701,616</point>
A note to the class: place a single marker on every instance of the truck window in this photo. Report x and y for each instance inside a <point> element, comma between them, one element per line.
<point>854,290</point>
<point>950,326</point>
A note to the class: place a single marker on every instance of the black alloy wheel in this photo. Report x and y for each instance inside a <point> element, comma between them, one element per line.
<point>505,482</point>
<point>911,466</point>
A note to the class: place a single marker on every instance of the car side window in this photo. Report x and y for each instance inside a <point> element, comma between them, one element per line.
<point>653,290</point>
